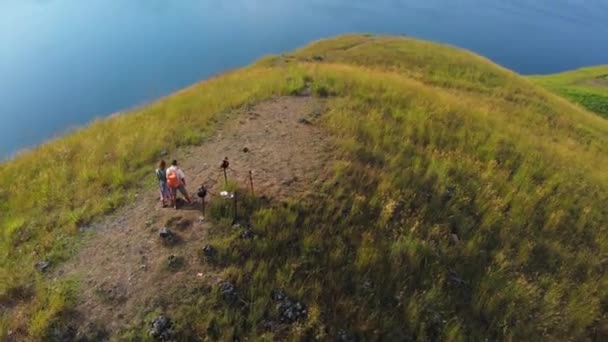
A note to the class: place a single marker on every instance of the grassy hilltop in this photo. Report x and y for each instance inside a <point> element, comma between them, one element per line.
<point>466,202</point>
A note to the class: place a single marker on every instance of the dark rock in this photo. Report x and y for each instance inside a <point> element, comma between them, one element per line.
<point>290,311</point>
<point>245,150</point>
<point>317,58</point>
<point>43,265</point>
<point>247,234</point>
<point>209,251</point>
<point>344,336</point>
<point>167,235</point>
<point>161,328</point>
<point>228,291</point>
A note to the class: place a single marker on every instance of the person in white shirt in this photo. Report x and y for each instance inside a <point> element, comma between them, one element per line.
<point>176,179</point>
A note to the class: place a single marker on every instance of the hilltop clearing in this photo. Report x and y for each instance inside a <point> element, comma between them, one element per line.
<point>124,266</point>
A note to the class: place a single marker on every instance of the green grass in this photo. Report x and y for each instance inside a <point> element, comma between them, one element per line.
<point>434,142</point>
<point>587,87</point>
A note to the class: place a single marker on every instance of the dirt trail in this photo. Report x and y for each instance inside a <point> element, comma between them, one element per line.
<point>122,265</point>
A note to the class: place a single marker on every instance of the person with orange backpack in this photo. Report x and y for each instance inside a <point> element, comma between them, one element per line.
<point>176,180</point>
<point>165,192</point>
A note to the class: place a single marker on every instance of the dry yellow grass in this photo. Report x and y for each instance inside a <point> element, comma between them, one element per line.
<point>438,142</point>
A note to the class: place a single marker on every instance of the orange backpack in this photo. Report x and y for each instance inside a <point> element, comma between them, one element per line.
<point>173,180</point>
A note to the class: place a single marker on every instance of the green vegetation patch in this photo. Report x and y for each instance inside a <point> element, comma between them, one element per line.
<point>587,87</point>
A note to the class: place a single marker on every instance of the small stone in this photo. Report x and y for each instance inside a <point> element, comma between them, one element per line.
<point>228,291</point>
<point>455,238</point>
<point>167,235</point>
<point>163,153</point>
<point>317,58</point>
<point>161,328</point>
<point>290,311</point>
<point>245,150</point>
<point>43,265</point>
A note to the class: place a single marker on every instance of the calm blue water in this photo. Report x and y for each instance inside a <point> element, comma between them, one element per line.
<point>65,62</point>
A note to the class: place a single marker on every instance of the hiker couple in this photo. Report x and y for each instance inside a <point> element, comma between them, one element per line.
<point>170,181</point>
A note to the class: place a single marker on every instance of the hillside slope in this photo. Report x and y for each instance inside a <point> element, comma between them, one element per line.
<point>586,86</point>
<point>464,202</point>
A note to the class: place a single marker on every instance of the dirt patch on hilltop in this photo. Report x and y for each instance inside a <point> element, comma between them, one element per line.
<point>124,268</point>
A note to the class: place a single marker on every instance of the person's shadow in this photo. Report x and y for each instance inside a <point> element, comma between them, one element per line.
<point>195,205</point>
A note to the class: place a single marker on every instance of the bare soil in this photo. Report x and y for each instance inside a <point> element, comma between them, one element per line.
<point>122,265</point>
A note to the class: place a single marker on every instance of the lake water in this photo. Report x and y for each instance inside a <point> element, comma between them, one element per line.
<point>65,62</point>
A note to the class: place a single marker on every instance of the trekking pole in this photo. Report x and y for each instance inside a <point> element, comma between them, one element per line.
<point>251,182</point>
<point>235,207</point>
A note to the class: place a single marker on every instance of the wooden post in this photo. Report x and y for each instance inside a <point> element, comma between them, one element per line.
<point>251,182</point>
<point>203,206</point>
<point>225,165</point>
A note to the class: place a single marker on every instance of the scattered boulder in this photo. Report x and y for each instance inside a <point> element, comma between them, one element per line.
<point>228,291</point>
<point>167,235</point>
<point>43,265</point>
<point>290,311</point>
<point>317,58</point>
<point>161,328</point>
<point>245,150</point>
